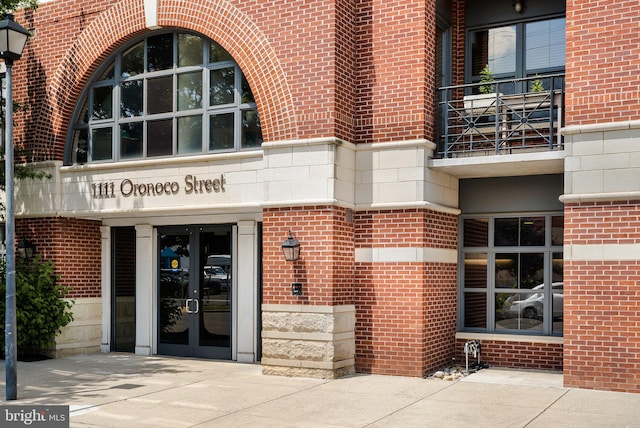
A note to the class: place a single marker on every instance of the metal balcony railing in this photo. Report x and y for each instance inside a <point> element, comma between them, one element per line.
<point>511,119</point>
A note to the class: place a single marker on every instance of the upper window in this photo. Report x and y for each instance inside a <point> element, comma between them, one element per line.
<point>170,94</point>
<point>519,50</point>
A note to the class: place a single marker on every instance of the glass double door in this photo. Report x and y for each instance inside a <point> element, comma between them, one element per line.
<point>195,291</point>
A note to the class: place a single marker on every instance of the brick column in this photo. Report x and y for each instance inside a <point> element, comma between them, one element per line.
<point>312,334</point>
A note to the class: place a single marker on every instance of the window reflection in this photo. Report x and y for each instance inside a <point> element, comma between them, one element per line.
<point>475,270</point>
<point>545,44</point>
<point>475,310</point>
<point>189,50</point>
<point>476,232</point>
<point>495,47</point>
<point>131,140</point>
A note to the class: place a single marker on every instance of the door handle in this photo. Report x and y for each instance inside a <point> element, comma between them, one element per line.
<point>188,306</point>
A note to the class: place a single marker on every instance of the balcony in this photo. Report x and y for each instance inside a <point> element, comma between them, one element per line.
<point>513,119</point>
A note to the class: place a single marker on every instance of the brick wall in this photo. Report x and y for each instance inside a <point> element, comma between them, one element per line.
<point>325,267</point>
<point>602,299</point>
<point>395,69</point>
<point>521,355</point>
<point>405,311</point>
<point>603,56</point>
<point>74,245</point>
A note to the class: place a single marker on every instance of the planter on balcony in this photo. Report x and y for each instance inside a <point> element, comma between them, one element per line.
<point>481,103</point>
<point>528,101</point>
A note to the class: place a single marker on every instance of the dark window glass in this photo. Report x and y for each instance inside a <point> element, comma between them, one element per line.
<point>189,50</point>
<point>190,134</point>
<point>221,131</point>
<point>531,270</point>
<point>190,91</point>
<point>160,138</point>
<point>475,310</point>
<point>222,86</point>
<point>475,270</point>
<point>131,98</point>
<point>476,232</point>
<point>160,52</point>
<point>160,95</point>
<point>251,130</point>
<point>506,232</point>
<point>131,140</point>
<point>102,107</point>
<point>557,230</point>
<point>108,74</point>
<point>217,53</point>
<point>133,61</point>
<point>81,143</point>
<point>101,144</point>
<point>532,231</point>
<point>247,94</point>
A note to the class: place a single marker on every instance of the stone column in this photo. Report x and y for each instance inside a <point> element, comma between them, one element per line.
<point>145,294</point>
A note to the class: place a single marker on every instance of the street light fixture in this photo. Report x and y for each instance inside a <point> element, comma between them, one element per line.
<point>12,40</point>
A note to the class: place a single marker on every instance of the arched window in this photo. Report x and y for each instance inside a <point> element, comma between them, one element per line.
<point>167,95</point>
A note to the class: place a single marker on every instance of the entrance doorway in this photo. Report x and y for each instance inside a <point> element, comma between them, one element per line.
<point>195,291</point>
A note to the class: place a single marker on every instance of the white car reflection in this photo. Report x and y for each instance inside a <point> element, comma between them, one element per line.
<point>532,306</point>
<point>215,279</point>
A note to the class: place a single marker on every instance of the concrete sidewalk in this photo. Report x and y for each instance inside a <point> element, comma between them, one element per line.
<point>124,390</point>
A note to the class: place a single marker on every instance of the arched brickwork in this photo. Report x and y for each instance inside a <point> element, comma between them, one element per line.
<point>216,19</point>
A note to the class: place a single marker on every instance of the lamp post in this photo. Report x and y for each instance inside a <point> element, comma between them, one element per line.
<point>12,40</point>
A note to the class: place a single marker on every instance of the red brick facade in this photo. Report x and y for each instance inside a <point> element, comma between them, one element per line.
<point>325,266</point>
<point>405,311</point>
<point>523,355</point>
<point>603,51</point>
<point>602,305</point>
<point>74,245</point>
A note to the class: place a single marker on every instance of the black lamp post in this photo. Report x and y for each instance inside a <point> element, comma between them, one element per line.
<point>291,248</point>
<point>12,40</point>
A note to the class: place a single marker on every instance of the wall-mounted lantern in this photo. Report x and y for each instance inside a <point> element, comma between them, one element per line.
<point>26,249</point>
<point>291,248</point>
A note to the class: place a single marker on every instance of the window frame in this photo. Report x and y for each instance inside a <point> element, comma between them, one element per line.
<point>109,74</point>
<point>549,249</point>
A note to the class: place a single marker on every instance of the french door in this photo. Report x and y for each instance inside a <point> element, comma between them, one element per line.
<point>195,291</point>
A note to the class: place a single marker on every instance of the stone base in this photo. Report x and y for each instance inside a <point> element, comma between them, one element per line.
<point>308,341</point>
<point>82,335</point>
<point>308,372</point>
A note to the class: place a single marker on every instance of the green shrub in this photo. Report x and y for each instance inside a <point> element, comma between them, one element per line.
<point>41,311</point>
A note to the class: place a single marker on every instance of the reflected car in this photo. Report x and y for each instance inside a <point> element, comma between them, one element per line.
<point>215,279</point>
<point>533,305</point>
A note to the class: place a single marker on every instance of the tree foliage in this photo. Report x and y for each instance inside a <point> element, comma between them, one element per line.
<point>41,311</point>
<point>10,6</point>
